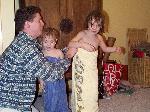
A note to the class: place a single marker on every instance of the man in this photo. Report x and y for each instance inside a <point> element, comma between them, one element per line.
<point>22,62</point>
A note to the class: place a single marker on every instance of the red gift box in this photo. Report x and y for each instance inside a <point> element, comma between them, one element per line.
<point>112,77</point>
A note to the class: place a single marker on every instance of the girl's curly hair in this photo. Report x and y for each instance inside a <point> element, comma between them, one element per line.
<point>95,14</point>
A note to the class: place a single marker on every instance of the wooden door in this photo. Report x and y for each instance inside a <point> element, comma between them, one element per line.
<point>53,11</point>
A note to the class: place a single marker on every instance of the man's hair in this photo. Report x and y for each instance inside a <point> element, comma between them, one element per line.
<point>25,14</point>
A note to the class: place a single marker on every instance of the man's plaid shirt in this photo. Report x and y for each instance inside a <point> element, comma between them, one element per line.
<point>20,64</point>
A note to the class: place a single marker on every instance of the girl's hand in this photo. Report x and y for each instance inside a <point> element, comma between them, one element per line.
<point>120,50</point>
<point>71,52</point>
<point>88,47</point>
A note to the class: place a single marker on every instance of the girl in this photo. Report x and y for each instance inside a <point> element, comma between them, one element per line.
<point>55,97</point>
<point>84,66</point>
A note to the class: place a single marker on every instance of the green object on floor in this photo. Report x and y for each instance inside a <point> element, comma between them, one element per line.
<point>130,91</point>
<point>126,90</point>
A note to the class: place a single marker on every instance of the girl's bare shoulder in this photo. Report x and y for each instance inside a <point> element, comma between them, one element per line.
<point>100,38</point>
<point>60,53</point>
<point>79,36</point>
<point>82,33</point>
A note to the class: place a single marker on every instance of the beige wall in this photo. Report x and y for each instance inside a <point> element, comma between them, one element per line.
<point>122,14</point>
<point>7,23</point>
<point>125,14</point>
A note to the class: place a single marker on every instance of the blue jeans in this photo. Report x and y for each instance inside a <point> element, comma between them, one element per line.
<point>55,97</point>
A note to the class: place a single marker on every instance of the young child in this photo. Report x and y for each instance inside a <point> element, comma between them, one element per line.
<point>55,97</point>
<point>84,65</point>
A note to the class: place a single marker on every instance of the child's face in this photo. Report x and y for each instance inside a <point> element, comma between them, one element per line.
<point>95,26</point>
<point>49,42</point>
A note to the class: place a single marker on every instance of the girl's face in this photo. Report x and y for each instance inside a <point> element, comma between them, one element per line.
<point>95,26</point>
<point>49,42</point>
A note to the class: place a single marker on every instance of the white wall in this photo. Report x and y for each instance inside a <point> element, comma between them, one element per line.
<point>0,30</point>
<point>7,23</point>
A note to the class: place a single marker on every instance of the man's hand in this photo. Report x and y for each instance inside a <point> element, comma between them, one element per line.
<point>41,84</point>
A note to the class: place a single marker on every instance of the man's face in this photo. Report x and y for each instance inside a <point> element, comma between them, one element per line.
<point>36,26</point>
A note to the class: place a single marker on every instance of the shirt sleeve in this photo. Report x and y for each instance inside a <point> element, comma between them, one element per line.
<point>50,71</point>
<point>42,68</point>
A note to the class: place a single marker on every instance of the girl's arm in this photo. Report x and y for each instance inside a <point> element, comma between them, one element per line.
<point>77,42</point>
<point>74,43</point>
<point>106,48</point>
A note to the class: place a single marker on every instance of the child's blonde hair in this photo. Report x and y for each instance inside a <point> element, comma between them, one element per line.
<point>51,31</point>
<point>47,32</point>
